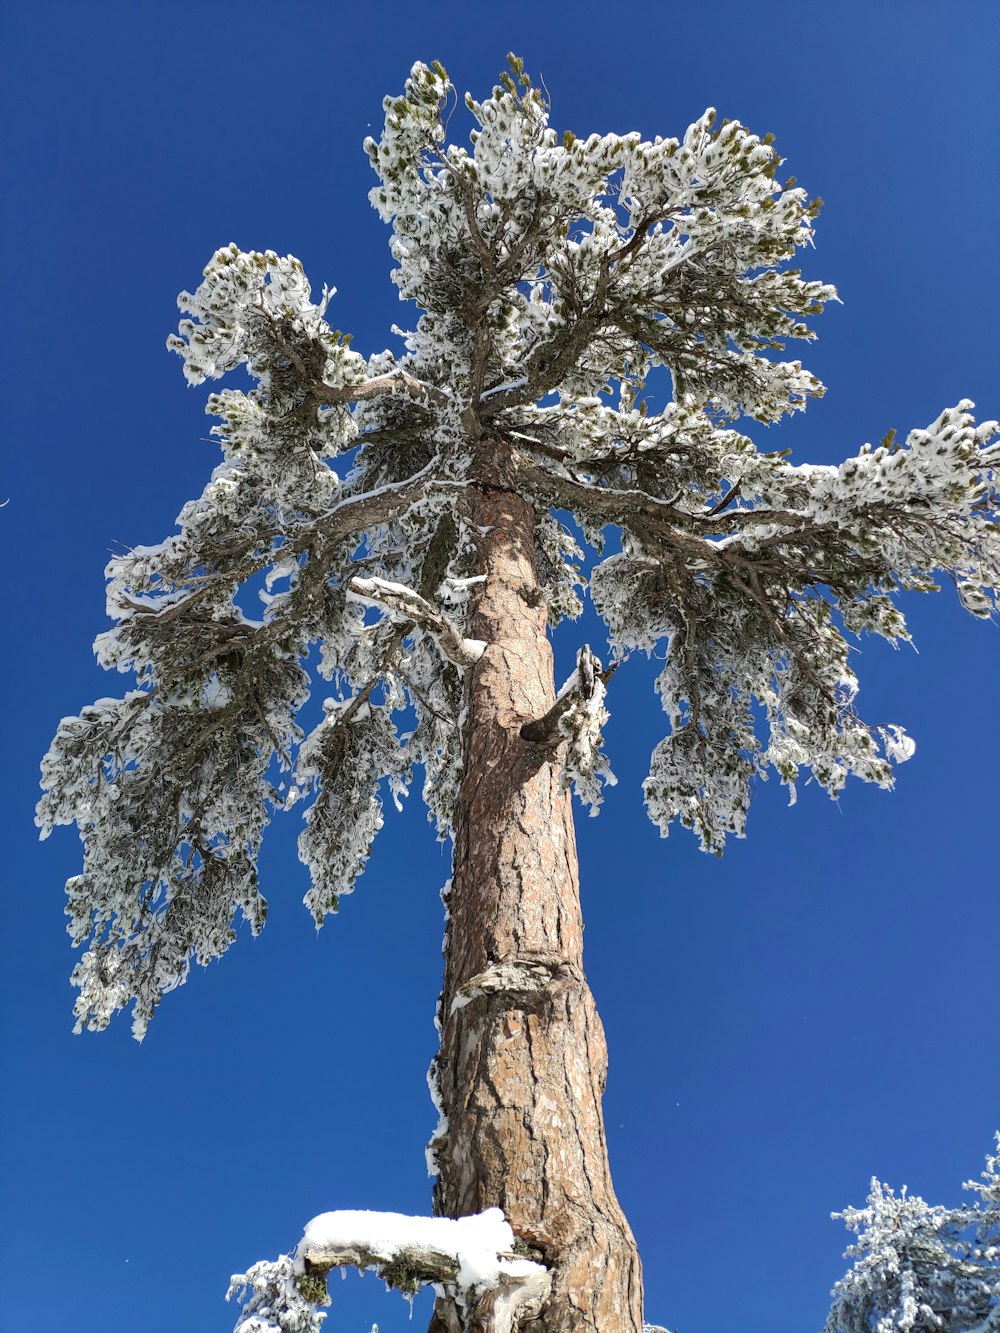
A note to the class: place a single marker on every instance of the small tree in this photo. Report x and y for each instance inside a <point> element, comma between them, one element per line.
<point>552,276</point>
<point>921,1269</point>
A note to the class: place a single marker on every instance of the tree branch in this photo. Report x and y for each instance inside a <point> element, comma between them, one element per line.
<point>394,382</point>
<point>624,507</point>
<point>496,1288</point>
<point>406,602</point>
<point>408,1269</point>
<point>610,506</point>
<point>351,515</point>
<point>545,729</point>
<point>547,365</point>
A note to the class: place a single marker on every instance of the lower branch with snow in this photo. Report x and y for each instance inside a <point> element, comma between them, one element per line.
<point>473,1260</point>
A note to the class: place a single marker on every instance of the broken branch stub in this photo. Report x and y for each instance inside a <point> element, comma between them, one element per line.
<point>546,729</point>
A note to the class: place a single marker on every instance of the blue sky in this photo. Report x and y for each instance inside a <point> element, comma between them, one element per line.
<point>815,1008</point>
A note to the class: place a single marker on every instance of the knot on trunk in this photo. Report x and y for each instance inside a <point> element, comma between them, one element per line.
<point>521,978</point>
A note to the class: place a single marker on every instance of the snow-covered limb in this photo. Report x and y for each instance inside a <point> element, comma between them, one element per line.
<point>255,308</point>
<point>409,604</point>
<point>474,1258</point>
<point>578,717</point>
<point>582,685</point>
<point>393,382</point>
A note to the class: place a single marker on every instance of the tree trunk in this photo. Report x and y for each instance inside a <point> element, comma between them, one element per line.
<point>523,1059</point>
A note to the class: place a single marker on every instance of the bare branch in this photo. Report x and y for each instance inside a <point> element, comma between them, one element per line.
<point>726,500</point>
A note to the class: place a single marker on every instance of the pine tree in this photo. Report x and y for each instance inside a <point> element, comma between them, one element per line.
<point>922,1269</point>
<point>556,281</point>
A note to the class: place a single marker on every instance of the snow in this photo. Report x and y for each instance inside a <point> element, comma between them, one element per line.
<point>441,1128</point>
<point>570,683</point>
<point>582,725</point>
<point>504,388</point>
<point>482,1245</point>
<point>479,1247</point>
<point>898,746</point>
<point>370,591</point>
<point>454,592</point>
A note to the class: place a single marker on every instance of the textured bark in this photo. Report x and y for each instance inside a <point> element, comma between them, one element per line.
<point>523,1060</point>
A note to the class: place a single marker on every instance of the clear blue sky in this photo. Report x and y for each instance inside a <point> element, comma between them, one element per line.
<point>820,1006</point>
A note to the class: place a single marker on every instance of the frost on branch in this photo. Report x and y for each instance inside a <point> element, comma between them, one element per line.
<point>473,1259</point>
<point>751,600</point>
<point>577,718</point>
<point>919,1268</point>
<point>553,274</point>
<point>172,786</point>
<point>276,1299</point>
<point>345,760</point>
<point>411,606</point>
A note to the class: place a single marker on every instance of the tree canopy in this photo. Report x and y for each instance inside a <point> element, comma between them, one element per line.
<point>552,276</point>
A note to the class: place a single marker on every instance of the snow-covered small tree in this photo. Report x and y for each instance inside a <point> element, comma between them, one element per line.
<point>423,518</point>
<point>922,1269</point>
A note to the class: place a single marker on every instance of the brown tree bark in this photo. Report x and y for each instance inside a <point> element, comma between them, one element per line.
<point>523,1060</point>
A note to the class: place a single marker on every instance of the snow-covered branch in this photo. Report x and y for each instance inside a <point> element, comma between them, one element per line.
<point>577,717</point>
<point>474,1259</point>
<point>404,601</point>
<point>581,687</point>
<point>394,382</point>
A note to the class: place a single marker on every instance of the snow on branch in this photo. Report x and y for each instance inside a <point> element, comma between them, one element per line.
<point>390,383</point>
<point>406,602</point>
<point>578,716</point>
<point>474,1259</point>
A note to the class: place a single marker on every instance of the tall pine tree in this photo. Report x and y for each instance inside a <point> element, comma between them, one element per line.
<point>421,518</point>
